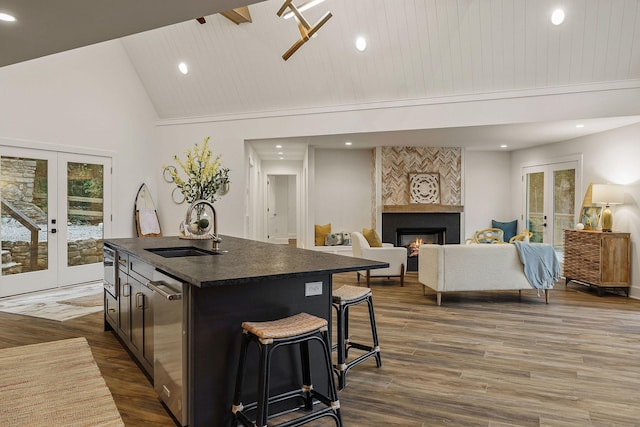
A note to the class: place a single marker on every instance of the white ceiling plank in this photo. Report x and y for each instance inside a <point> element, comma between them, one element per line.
<point>508,45</point>
<point>444,37</point>
<point>453,29</point>
<point>487,47</point>
<point>627,29</point>
<point>589,36</point>
<point>465,49</point>
<point>519,43</point>
<point>436,71</point>
<point>540,21</point>
<point>497,22</point>
<point>602,30</point>
<point>424,55</point>
<point>414,49</point>
<point>576,19</point>
<point>634,63</point>
<point>474,23</point>
<point>554,53</point>
<point>614,39</point>
<point>531,43</point>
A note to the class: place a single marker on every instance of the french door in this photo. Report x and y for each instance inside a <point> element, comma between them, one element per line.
<point>550,203</point>
<point>55,213</point>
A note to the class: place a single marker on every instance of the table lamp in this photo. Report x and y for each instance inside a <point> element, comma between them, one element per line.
<point>607,194</point>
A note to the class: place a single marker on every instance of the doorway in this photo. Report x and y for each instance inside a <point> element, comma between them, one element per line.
<point>282,218</point>
<point>55,213</point>
<point>550,200</point>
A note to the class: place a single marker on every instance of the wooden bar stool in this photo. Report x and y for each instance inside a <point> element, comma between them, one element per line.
<point>343,298</point>
<point>300,329</point>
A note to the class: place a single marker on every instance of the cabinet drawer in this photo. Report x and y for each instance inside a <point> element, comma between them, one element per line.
<point>143,270</point>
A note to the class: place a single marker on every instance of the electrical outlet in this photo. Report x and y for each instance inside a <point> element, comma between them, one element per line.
<point>312,288</point>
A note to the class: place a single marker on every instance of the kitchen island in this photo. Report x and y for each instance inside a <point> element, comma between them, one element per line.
<point>186,335</point>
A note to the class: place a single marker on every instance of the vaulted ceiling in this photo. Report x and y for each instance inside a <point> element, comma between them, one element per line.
<point>418,51</point>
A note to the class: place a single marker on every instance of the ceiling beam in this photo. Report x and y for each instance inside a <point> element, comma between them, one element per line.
<point>238,16</point>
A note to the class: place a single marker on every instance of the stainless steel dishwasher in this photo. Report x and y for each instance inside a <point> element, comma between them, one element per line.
<point>170,344</point>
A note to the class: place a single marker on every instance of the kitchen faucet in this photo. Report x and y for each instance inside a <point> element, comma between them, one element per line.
<point>214,234</point>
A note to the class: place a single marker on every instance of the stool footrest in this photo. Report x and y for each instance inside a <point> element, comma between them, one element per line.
<point>363,347</point>
<point>358,360</point>
<point>312,415</point>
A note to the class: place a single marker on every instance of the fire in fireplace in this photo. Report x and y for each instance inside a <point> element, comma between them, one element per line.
<point>413,238</point>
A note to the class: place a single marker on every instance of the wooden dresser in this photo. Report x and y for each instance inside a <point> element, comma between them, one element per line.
<point>597,258</point>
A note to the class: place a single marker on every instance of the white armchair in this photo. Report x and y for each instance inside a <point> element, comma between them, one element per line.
<point>395,256</point>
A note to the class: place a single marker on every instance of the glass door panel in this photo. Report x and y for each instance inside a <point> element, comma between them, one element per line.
<point>82,237</point>
<point>535,221</point>
<point>564,204</point>
<point>28,258</point>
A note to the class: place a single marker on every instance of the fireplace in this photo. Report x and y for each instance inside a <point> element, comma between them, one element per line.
<point>412,238</point>
<point>412,229</point>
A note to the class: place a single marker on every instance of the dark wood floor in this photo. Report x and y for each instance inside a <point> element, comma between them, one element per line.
<point>481,359</point>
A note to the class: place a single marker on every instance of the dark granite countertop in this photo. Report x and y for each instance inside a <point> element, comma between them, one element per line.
<point>242,260</point>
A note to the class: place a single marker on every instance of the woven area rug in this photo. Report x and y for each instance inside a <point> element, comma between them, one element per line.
<point>57,304</point>
<point>54,384</point>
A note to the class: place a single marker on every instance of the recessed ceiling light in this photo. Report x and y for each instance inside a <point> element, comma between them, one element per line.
<point>280,153</point>
<point>281,158</point>
<point>361,44</point>
<point>580,126</point>
<point>278,146</point>
<point>184,69</point>
<point>6,17</point>
<point>348,143</point>
<point>557,17</point>
<point>504,146</point>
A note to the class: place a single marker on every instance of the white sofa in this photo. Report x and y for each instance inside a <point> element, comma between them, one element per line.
<point>479,267</point>
<point>395,256</point>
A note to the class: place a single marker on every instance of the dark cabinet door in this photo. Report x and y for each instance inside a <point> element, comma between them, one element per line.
<point>124,307</point>
<point>137,314</point>
<point>147,325</point>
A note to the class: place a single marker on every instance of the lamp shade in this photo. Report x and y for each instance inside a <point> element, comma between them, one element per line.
<point>607,194</point>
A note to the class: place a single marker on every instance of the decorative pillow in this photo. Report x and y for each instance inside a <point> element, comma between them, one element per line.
<point>510,229</point>
<point>321,232</point>
<point>333,239</point>
<point>372,237</point>
<point>346,238</point>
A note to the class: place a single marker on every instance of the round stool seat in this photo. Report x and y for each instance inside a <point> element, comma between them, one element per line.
<point>348,293</point>
<point>299,324</point>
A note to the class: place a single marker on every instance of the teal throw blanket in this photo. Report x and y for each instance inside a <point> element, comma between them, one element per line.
<point>541,265</point>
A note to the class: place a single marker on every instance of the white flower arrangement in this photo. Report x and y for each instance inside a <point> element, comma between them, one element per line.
<point>206,179</point>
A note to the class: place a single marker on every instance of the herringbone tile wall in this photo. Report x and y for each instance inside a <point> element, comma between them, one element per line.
<point>398,162</point>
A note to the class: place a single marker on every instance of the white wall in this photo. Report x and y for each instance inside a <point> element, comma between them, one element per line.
<point>608,157</point>
<point>88,98</point>
<point>343,189</point>
<point>487,190</point>
<point>229,134</point>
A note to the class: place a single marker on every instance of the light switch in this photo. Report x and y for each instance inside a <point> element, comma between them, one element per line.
<point>312,288</point>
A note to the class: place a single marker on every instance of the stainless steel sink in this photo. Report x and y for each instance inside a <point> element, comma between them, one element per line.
<point>181,252</point>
